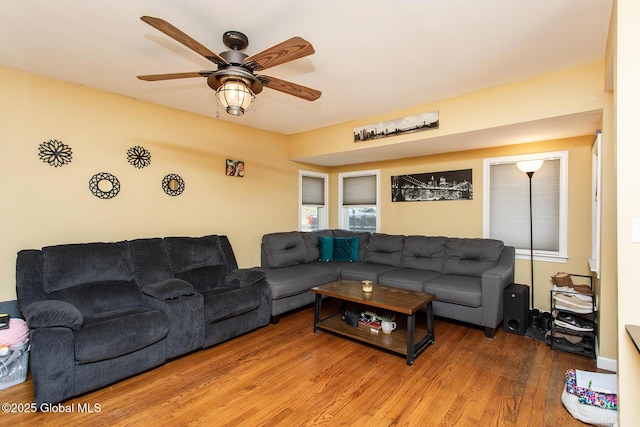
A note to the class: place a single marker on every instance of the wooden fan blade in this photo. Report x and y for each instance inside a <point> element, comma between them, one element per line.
<point>156,77</point>
<point>179,36</point>
<point>294,48</point>
<point>290,88</point>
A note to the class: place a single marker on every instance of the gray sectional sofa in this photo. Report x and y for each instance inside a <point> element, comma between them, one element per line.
<point>467,275</point>
<point>101,312</point>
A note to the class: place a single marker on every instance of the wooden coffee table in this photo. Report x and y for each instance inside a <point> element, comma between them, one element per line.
<point>402,301</point>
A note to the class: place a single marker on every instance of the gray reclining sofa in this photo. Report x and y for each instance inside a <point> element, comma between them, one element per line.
<point>101,312</point>
<point>467,275</point>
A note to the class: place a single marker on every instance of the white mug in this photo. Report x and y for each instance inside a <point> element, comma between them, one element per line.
<point>387,327</point>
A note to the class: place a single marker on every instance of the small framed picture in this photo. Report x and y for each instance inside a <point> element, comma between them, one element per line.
<point>234,168</point>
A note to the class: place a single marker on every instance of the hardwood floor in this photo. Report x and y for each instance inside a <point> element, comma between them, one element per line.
<point>286,375</point>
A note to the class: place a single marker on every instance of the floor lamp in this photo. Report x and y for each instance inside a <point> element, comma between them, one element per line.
<point>530,167</point>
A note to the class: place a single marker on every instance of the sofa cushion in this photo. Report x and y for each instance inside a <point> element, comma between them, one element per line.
<point>188,253</point>
<point>385,249</point>
<point>364,271</point>
<point>423,252</point>
<point>297,279</point>
<point>119,332</point>
<point>94,298</point>
<point>204,278</point>
<point>471,257</point>
<point>66,266</point>
<point>223,303</point>
<point>285,249</point>
<point>311,243</point>
<point>462,290</point>
<point>407,278</point>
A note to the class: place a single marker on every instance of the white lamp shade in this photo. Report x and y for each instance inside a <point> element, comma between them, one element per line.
<point>235,97</point>
<point>530,165</point>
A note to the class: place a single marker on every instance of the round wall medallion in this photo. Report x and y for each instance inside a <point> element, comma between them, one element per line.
<point>104,185</point>
<point>55,153</point>
<point>173,184</point>
<point>138,156</point>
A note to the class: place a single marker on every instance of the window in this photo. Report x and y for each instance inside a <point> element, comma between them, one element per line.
<point>313,201</point>
<point>359,209</point>
<point>506,205</point>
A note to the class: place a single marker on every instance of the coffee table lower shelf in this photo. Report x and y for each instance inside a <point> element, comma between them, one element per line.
<point>395,341</point>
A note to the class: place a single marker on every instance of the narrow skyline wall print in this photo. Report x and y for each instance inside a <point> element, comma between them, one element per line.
<point>410,124</point>
<point>430,186</point>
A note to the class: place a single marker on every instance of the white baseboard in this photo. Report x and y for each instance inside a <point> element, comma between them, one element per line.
<point>607,364</point>
<point>604,362</point>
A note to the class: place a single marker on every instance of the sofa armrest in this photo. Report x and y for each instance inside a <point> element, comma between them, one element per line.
<point>168,289</point>
<point>493,282</point>
<point>243,277</point>
<point>53,313</point>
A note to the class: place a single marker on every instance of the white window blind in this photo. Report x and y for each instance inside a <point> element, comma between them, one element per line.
<point>509,206</point>
<point>359,190</point>
<point>312,190</point>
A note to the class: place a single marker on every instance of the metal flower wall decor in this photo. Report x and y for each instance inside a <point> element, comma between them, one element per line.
<point>173,184</point>
<point>55,153</point>
<point>139,157</point>
<point>104,185</point>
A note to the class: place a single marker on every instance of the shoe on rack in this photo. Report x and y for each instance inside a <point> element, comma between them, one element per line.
<point>574,302</point>
<point>575,323</point>
<point>561,343</point>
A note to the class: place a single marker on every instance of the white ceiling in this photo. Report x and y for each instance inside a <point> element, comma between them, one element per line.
<point>372,56</point>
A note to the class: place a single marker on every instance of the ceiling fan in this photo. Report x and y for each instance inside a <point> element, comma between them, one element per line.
<point>235,81</point>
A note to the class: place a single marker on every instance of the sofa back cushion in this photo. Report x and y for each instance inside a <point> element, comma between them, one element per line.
<point>187,253</point>
<point>423,252</point>
<point>311,243</point>
<point>67,266</point>
<point>200,261</point>
<point>204,278</point>
<point>385,249</point>
<point>284,249</point>
<point>150,260</point>
<point>471,257</point>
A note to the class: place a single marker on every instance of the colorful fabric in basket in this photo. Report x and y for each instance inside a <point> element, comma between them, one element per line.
<point>589,396</point>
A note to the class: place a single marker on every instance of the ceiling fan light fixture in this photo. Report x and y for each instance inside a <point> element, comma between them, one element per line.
<point>235,96</point>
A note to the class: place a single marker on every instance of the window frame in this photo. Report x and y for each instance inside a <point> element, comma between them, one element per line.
<point>342,207</point>
<point>561,255</point>
<point>323,220</point>
<point>596,203</point>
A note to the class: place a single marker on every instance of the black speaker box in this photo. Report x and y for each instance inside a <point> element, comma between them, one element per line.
<point>515,319</point>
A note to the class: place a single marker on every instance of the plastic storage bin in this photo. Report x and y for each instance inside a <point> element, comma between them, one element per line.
<point>14,366</point>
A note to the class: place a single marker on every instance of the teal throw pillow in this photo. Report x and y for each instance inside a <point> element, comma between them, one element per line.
<point>345,249</point>
<point>325,246</point>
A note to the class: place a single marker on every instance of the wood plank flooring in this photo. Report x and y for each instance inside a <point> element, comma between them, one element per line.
<point>286,375</point>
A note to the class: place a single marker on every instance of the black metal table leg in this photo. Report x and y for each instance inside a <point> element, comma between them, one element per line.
<point>411,333</point>
<point>316,318</point>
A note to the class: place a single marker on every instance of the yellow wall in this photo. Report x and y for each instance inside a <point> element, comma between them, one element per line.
<point>46,205</point>
<point>573,91</point>
<point>43,205</point>
<point>463,218</point>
